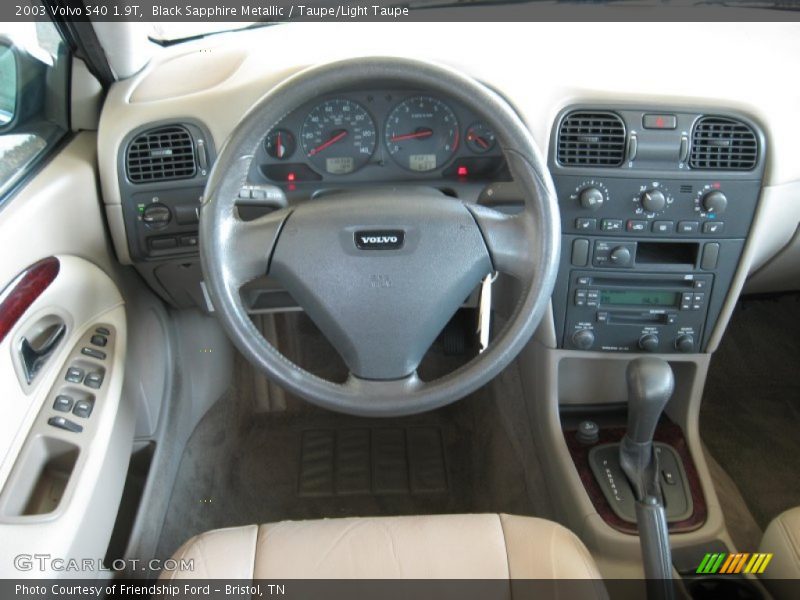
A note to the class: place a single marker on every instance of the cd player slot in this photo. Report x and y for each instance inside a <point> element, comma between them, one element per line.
<point>654,283</point>
<point>637,318</point>
<point>667,253</point>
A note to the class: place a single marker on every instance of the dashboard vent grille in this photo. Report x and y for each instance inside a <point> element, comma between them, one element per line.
<point>590,138</point>
<point>161,154</point>
<point>723,144</point>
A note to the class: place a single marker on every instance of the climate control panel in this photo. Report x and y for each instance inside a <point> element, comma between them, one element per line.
<point>656,206</point>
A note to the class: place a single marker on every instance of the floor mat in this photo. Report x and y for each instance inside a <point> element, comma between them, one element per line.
<point>750,416</point>
<point>384,460</point>
<point>242,466</point>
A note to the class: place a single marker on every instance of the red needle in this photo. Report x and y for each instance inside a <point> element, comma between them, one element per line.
<point>330,142</point>
<point>481,142</point>
<point>411,136</point>
<point>280,146</point>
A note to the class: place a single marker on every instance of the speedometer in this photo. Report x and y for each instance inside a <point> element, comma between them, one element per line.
<point>338,136</point>
<point>422,133</point>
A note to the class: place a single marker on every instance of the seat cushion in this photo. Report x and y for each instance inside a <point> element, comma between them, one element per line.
<point>782,539</point>
<point>485,546</point>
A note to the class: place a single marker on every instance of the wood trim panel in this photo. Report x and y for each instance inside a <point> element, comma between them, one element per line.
<point>23,291</point>
<point>667,432</point>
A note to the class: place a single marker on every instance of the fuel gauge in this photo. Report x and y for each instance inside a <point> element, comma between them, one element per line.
<point>480,138</point>
<point>280,144</point>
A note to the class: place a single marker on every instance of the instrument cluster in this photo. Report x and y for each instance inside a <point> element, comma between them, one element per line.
<point>380,135</point>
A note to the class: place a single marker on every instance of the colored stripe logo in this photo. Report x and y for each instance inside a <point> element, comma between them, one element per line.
<point>730,564</point>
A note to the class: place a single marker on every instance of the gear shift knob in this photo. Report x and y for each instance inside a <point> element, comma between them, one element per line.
<point>650,386</point>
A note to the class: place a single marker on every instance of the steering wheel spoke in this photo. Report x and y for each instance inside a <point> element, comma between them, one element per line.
<point>251,243</point>
<point>510,241</point>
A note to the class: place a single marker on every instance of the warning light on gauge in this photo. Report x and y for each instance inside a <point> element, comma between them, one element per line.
<point>462,171</point>
<point>290,177</point>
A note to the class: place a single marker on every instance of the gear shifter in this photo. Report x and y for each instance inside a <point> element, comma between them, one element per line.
<point>650,386</point>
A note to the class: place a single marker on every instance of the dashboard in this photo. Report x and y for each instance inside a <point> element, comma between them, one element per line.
<point>154,223</point>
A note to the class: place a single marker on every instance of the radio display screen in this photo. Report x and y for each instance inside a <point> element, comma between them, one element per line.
<point>639,298</point>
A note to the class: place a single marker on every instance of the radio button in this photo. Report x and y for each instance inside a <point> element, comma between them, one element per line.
<point>583,339</point>
<point>688,227</point>
<point>586,224</point>
<point>637,225</point>
<point>580,298</point>
<point>686,300</point>
<point>663,226</point>
<point>648,342</point>
<point>684,343</point>
<point>585,280</point>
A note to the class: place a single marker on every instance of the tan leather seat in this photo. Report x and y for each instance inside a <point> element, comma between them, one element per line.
<point>483,546</point>
<point>782,539</point>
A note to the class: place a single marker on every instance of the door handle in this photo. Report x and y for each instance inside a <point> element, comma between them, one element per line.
<point>33,359</point>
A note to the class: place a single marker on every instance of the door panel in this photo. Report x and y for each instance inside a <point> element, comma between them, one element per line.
<point>61,488</point>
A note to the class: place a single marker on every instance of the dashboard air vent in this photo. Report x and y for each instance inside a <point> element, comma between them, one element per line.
<point>161,154</point>
<point>592,139</point>
<point>725,144</point>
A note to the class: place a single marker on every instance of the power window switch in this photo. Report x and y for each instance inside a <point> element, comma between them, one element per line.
<point>83,408</point>
<point>99,340</point>
<point>65,424</point>
<point>102,331</point>
<point>93,380</point>
<point>74,375</point>
<point>62,403</point>
<point>93,353</point>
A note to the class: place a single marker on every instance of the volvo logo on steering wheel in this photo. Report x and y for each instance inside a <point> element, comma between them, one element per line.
<point>379,240</point>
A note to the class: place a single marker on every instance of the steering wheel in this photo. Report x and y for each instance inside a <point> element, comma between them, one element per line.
<point>380,271</point>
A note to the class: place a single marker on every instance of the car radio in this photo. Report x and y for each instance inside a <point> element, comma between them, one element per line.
<point>655,206</point>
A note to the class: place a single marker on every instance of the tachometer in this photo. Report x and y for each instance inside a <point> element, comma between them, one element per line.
<point>422,133</point>
<point>338,136</point>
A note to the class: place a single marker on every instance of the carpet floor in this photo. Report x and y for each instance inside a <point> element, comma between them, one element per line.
<point>750,417</point>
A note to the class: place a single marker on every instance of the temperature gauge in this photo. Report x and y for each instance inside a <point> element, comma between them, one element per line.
<point>280,144</point>
<point>480,138</point>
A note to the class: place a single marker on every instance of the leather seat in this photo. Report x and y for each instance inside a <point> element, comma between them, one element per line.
<point>476,546</point>
<point>782,538</point>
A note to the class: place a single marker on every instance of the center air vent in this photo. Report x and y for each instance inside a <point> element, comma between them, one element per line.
<point>161,154</point>
<point>592,139</point>
<point>723,144</point>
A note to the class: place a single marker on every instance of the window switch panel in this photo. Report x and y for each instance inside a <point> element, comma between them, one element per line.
<point>93,380</point>
<point>83,409</point>
<point>65,424</point>
<point>63,403</point>
<point>74,375</point>
<point>93,353</point>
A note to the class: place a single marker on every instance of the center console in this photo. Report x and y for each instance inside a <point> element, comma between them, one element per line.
<point>655,209</point>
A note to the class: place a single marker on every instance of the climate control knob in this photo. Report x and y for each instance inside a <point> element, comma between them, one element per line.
<point>684,343</point>
<point>653,200</point>
<point>591,198</point>
<point>715,202</point>
<point>583,339</point>
<point>649,342</point>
